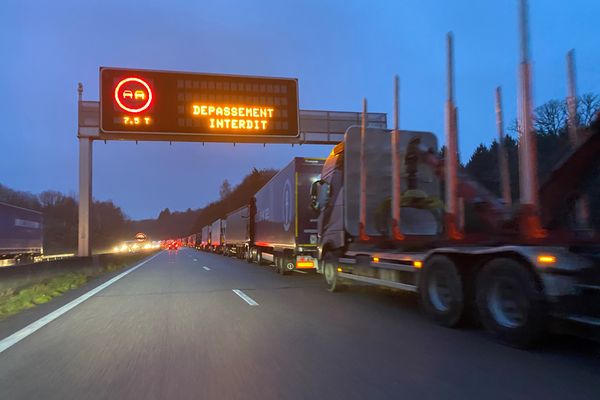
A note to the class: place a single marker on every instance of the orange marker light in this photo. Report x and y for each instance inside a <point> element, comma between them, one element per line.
<point>546,259</point>
<point>376,259</point>
<point>418,264</point>
<point>339,269</point>
<point>305,264</point>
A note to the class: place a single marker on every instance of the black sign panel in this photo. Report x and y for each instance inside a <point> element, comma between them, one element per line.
<point>181,103</point>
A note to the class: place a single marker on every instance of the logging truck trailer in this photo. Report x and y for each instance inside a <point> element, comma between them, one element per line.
<point>515,285</point>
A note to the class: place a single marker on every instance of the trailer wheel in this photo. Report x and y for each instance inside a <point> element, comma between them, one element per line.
<point>277,262</point>
<point>258,257</point>
<point>330,273</point>
<point>441,290</point>
<point>510,302</point>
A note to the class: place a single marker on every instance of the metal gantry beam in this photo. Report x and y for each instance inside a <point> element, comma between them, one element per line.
<point>316,127</point>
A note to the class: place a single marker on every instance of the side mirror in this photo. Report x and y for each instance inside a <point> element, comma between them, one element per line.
<point>314,195</point>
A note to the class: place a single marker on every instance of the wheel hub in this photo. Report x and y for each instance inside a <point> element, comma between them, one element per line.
<point>440,293</point>
<point>506,303</point>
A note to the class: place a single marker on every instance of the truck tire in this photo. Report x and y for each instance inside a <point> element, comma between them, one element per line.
<point>258,257</point>
<point>441,290</point>
<point>332,279</point>
<point>248,255</point>
<point>510,302</point>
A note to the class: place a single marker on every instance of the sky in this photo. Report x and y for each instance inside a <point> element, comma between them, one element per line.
<point>340,51</point>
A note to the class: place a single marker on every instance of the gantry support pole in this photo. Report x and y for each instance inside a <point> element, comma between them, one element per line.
<point>85,191</point>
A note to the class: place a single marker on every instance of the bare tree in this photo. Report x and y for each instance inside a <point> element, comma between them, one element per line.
<point>513,127</point>
<point>225,189</point>
<point>588,106</point>
<point>551,117</point>
<point>50,198</point>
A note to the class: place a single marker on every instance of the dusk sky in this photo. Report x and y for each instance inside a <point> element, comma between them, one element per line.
<point>339,50</point>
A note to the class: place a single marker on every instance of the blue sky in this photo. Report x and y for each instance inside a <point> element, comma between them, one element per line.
<point>339,50</point>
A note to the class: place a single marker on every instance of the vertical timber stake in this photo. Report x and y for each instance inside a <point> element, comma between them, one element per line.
<point>362,232</point>
<point>529,218</point>
<point>451,156</point>
<point>502,156</point>
<point>582,212</point>
<point>396,164</point>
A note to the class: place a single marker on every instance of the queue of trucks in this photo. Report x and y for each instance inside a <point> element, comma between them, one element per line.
<point>335,216</point>
<point>277,226</point>
<point>386,209</point>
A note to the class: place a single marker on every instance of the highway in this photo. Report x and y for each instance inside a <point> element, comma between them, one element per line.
<point>175,329</point>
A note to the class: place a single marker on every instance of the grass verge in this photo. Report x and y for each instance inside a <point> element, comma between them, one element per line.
<point>13,302</point>
<point>40,293</point>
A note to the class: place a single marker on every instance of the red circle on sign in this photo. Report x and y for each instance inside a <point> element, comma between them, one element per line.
<point>133,95</point>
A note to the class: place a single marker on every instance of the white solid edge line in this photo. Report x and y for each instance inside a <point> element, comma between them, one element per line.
<point>206,268</point>
<point>16,337</point>
<point>245,297</point>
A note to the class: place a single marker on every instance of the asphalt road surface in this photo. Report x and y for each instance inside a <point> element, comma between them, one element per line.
<point>175,329</point>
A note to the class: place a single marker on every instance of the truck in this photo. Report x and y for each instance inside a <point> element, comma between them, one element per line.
<point>21,233</point>
<point>203,241</point>
<point>216,236</point>
<point>514,282</point>
<point>285,226</point>
<point>238,234</point>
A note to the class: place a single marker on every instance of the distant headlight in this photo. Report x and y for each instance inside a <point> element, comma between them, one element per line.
<point>116,249</point>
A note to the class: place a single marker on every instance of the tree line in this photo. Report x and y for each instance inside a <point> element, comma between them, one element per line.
<point>110,225</point>
<point>550,123</point>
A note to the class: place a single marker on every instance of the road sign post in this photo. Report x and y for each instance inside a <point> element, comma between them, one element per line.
<point>85,197</point>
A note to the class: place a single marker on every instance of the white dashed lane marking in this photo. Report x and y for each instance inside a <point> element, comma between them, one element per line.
<point>245,297</point>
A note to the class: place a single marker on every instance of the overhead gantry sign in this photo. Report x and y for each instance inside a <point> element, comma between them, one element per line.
<point>144,103</point>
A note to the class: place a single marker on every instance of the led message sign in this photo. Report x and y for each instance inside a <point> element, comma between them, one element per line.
<point>181,103</point>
